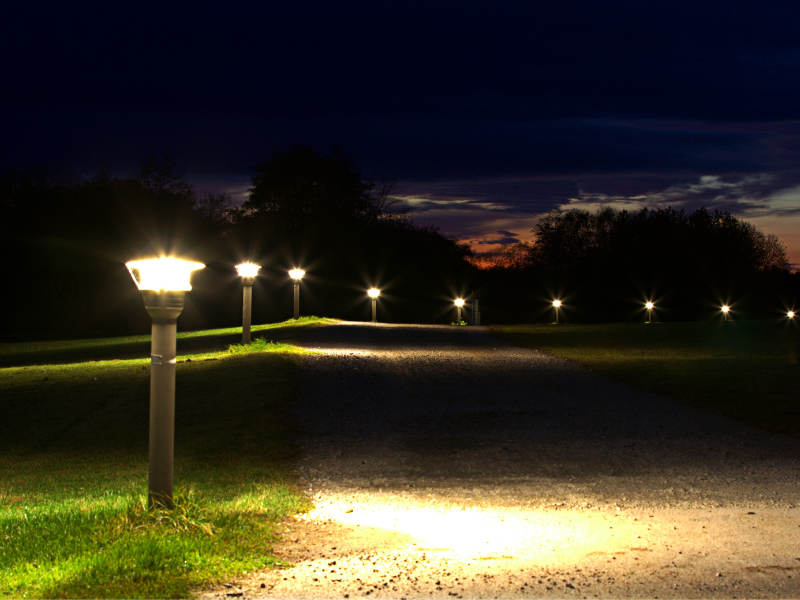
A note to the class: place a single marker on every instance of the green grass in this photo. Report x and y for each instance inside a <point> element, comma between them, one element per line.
<point>73,464</point>
<point>747,370</point>
<point>138,346</point>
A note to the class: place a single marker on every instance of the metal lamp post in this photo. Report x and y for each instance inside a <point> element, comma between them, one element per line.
<point>373,294</point>
<point>459,304</point>
<point>556,305</point>
<point>163,283</point>
<point>649,307</point>
<point>297,275</point>
<point>248,272</point>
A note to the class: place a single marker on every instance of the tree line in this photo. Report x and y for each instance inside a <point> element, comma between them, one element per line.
<point>605,265</point>
<point>65,240</point>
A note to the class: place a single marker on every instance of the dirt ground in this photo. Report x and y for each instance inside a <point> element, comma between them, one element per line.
<point>444,463</point>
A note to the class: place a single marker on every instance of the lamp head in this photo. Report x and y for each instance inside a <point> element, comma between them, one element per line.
<point>790,314</point>
<point>163,273</point>
<point>725,308</point>
<point>373,293</point>
<point>296,274</point>
<point>459,302</point>
<point>248,269</point>
<point>649,305</point>
<point>556,303</point>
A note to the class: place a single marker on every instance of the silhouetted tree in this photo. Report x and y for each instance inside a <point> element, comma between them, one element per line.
<point>72,235</point>
<point>611,260</point>
<point>301,186</point>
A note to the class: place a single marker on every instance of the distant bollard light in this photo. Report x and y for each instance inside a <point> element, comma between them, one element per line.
<point>163,282</point>
<point>557,305</point>
<point>459,304</point>
<point>649,307</point>
<point>297,275</point>
<point>725,310</point>
<point>248,272</point>
<point>373,294</point>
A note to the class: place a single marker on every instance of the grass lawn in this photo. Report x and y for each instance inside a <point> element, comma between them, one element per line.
<point>73,464</point>
<point>747,370</point>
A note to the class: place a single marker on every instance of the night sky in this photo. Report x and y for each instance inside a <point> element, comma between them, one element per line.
<point>488,114</point>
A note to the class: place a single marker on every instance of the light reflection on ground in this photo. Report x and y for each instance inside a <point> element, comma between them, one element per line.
<point>494,532</point>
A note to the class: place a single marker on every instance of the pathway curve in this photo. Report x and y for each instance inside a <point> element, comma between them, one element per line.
<point>444,463</point>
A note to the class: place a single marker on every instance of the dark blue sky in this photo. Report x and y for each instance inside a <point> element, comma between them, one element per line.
<point>489,114</point>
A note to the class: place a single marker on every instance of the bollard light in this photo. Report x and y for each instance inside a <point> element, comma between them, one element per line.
<point>373,294</point>
<point>163,282</point>
<point>248,272</point>
<point>459,304</point>
<point>649,307</point>
<point>297,275</point>
<point>556,305</point>
<point>725,310</point>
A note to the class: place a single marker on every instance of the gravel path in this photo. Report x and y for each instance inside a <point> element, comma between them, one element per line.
<point>444,463</point>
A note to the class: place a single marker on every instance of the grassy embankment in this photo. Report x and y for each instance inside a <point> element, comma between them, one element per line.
<point>747,370</point>
<point>73,464</point>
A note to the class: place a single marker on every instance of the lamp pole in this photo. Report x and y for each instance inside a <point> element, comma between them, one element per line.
<point>459,304</point>
<point>247,300</point>
<point>297,275</point>
<point>373,294</point>
<point>163,283</point>
<point>164,308</point>
<point>248,273</point>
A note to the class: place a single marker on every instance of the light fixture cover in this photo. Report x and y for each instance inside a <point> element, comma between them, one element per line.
<point>556,303</point>
<point>296,273</point>
<point>374,293</point>
<point>165,273</point>
<point>248,269</point>
<point>459,302</point>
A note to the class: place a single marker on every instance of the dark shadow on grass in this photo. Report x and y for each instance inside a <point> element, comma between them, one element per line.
<point>225,409</point>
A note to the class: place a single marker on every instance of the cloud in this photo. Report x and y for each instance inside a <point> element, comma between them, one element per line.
<point>506,238</point>
<point>743,195</point>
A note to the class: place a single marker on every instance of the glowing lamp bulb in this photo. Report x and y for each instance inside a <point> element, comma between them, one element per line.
<point>556,303</point>
<point>790,314</point>
<point>725,309</point>
<point>248,269</point>
<point>165,273</point>
<point>373,293</point>
<point>459,302</point>
<point>296,273</point>
<point>649,305</point>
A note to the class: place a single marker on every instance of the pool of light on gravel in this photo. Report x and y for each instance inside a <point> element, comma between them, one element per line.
<point>478,532</point>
